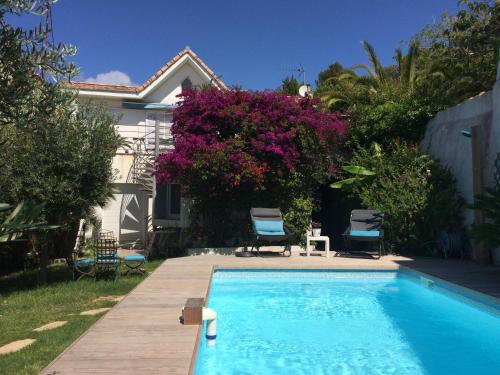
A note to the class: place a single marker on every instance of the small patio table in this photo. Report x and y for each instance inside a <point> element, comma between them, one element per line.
<point>324,239</point>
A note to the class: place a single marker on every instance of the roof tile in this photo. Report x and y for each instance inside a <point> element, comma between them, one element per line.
<point>150,80</point>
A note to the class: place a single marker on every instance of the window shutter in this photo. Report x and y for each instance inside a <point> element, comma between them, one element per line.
<point>175,200</point>
<point>160,202</point>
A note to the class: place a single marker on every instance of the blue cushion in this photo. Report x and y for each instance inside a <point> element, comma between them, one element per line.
<point>107,258</point>
<point>134,258</point>
<point>365,233</point>
<point>266,233</point>
<point>269,227</point>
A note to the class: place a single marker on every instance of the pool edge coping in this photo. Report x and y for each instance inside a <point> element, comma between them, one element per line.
<point>475,297</point>
<point>194,357</point>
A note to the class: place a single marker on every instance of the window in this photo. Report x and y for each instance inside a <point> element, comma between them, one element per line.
<point>167,202</point>
<point>186,84</point>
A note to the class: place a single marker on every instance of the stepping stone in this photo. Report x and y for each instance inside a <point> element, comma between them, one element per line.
<point>109,298</point>
<point>95,311</point>
<point>15,346</point>
<point>51,325</point>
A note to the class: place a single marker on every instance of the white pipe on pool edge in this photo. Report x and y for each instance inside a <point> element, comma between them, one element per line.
<point>211,317</point>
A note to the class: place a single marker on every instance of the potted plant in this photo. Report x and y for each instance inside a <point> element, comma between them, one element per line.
<point>316,228</point>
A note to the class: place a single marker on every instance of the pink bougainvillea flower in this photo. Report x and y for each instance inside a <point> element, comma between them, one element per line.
<point>226,140</point>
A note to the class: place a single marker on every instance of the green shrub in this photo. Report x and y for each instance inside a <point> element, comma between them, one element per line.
<point>298,215</point>
<point>488,233</point>
<point>417,195</point>
<point>401,118</point>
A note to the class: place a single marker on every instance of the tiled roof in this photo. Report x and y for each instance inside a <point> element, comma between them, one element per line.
<point>153,78</point>
<point>104,87</point>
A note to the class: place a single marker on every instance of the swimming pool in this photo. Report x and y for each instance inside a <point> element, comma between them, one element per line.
<point>347,322</point>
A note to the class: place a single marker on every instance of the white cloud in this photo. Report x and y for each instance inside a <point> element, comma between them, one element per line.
<point>113,77</point>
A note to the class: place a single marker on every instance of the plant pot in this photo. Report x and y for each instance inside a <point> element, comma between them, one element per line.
<point>495,255</point>
<point>316,232</point>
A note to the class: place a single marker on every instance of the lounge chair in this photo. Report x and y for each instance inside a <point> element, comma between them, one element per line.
<point>365,226</point>
<point>268,227</point>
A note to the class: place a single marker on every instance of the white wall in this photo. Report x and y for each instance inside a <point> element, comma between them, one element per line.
<point>122,163</point>
<point>493,145</point>
<point>444,141</point>
<point>167,92</point>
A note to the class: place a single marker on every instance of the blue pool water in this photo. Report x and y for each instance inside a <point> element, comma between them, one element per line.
<point>344,322</point>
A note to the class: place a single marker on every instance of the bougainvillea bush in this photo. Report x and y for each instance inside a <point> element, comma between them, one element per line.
<point>237,149</point>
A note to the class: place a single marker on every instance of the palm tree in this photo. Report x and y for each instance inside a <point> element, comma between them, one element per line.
<point>341,88</point>
<point>377,78</point>
<point>407,67</point>
<point>376,72</point>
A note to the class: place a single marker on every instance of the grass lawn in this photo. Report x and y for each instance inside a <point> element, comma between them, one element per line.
<point>23,307</point>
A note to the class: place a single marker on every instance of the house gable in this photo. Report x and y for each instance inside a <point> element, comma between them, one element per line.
<point>168,87</point>
<point>162,87</point>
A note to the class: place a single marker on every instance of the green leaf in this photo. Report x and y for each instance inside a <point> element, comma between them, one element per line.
<point>342,184</point>
<point>358,170</point>
<point>377,150</point>
<point>16,214</point>
<point>5,207</point>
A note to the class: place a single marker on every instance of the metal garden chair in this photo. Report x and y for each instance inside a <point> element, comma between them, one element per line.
<point>106,254</point>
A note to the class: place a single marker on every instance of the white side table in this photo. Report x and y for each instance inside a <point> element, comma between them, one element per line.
<point>325,239</point>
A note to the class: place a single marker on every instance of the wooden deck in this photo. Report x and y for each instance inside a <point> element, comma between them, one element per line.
<point>142,334</point>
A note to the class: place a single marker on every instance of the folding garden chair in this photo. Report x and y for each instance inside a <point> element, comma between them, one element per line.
<point>365,226</point>
<point>268,227</point>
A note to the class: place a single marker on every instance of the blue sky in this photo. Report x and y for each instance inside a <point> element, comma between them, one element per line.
<point>248,43</point>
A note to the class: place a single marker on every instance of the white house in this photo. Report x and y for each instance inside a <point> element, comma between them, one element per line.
<point>145,117</point>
